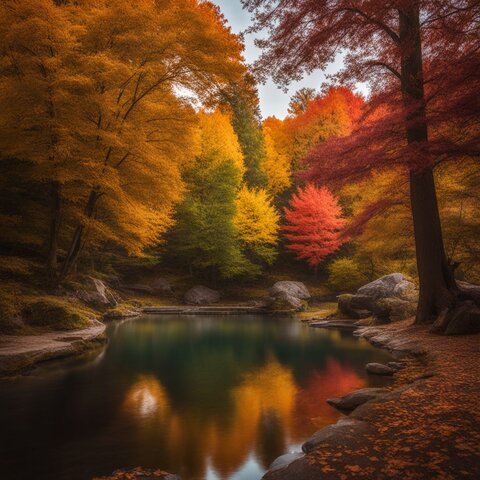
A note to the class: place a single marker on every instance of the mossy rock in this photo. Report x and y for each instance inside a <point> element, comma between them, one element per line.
<point>57,314</point>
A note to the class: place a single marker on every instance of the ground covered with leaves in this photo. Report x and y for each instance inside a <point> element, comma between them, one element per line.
<point>427,428</point>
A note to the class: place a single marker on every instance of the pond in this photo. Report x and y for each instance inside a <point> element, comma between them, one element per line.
<point>204,397</point>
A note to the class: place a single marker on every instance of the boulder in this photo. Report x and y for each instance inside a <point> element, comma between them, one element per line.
<point>97,294</point>
<point>344,303</point>
<point>470,291</point>
<point>283,301</point>
<point>385,286</point>
<point>291,288</point>
<point>379,369</point>
<point>393,309</point>
<point>361,302</point>
<point>201,295</point>
<point>355,399</point>
<point>284,461</point>
<point>341,434</point>
<point>464,320</point>
<point>346,307</point>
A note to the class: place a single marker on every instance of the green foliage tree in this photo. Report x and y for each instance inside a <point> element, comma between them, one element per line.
<point>204,237</point>
<point>242,100</point>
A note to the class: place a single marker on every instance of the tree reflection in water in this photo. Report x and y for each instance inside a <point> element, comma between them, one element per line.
<point>207,398</point>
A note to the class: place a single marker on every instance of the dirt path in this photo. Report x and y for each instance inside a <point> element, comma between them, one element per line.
<point>428,428</point>
<point>20,352</point>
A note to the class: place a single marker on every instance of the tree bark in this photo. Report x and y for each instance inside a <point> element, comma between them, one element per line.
<point>56,216</point>
<point>437,285</point>
<point>76,243</point>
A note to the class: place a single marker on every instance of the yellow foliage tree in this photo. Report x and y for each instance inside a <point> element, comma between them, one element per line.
<point>92,108</point>
<point>256,221</point>
<point>276,165</point>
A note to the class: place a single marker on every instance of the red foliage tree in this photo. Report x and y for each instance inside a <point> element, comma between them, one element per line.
<point>315,224</point>
<point>422,59</point>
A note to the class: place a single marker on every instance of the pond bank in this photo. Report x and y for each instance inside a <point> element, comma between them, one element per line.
<point>428,427</point>
<point>19,353</point>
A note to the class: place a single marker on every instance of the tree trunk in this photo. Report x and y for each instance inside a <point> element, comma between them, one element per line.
<point>56,215</point>
<point>437,285</point>
<point>76,243</point>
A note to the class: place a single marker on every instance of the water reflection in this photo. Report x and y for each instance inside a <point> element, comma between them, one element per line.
<point>207,398</point>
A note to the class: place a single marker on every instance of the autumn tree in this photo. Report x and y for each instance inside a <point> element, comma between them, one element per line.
<point>277,165</point>
<point>257,223</point>
<point>242,100</point>
<point>421,57</point>
<point>314,223</point>
<point>92,108</point>
<point>204,238</point>
<point>300,100</point>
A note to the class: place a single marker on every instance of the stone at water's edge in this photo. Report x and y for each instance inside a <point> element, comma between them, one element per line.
<point>355,399</point>
<point>284,461</point>
<point>340,433</point>
<point>389,298</point>
<point>392,285</point>
<point>287,296</point>
<point>291,288</point>
<point>379,369</point>
<point>201,295</point>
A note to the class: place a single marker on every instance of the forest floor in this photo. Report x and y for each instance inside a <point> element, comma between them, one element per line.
<point>428,428</point>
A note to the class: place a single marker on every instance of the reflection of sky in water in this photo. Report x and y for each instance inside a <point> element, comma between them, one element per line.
<point>207,398</point>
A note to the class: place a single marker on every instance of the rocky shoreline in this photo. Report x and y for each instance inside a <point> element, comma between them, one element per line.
<point>20,353</point>
<point>426,425</point>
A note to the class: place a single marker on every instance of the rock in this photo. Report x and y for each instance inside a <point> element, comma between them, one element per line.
<point>361,302</point>
<point>346,304</point>
<point>283,301</point>
<point>284,461</point>
<point>359,397</point>
<point>291,288</point>
<point>379,369</point>
<point>340,433</point>
<point>385,287</point>
<point>406,290</point>
<point>200,295</point>
<point>469,291</point>
<point>97,294</point>
<point>465,319</point>
<point>394,309</point>
<point>396,365</point>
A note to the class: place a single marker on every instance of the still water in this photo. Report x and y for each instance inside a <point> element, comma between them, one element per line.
<point>208,398</point>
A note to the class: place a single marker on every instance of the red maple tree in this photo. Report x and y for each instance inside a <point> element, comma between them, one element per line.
<point>421,58</point>
<point>314,224</point>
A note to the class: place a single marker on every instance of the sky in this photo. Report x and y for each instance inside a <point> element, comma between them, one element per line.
<point>273,101</point>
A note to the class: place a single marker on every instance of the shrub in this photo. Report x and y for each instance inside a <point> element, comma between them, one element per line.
<point>345,275</point>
